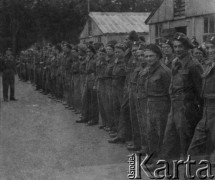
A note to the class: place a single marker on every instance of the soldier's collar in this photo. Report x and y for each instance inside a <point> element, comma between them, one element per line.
<point>154,67</point>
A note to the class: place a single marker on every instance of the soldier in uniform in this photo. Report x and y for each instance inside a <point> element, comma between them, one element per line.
<point>90,113</point>
<point>141,99</point>
<point>8,76</point>
<point>199,55</point>
<point>157,96</point>
<point>168,52</point>
<point>184,92</point>
<point>203,142</point>
<point>108,84</point>
<point>100,86</point>
<point>118,82</point>
<point>76,84</point>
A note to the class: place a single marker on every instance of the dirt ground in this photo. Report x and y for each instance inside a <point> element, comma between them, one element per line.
<point>39,140</point>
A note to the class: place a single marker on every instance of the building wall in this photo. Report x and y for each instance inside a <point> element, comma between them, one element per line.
<point>105,38</point>
<point>195,27</point>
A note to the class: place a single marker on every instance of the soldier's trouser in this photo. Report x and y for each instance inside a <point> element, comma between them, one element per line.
<point>203,142</point>
<point>102,101</point>
<point>182,120</point>
<point>83,87</point>
<point>76,91</point>
<point>8,81</point>
<point>142,116</point>
<point>109,103</point>
<point>59,87</point>
<point>157,115</point>
<point>124,127</point>
<point>134,119</point>
<point>117,90</point>
<point>90,104</point>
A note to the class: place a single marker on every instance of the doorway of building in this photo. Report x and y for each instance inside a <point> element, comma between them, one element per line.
<point>182,29</point>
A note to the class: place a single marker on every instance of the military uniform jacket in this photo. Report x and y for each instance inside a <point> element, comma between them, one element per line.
<point>157,81</point>
<point>91,68</point>
<point>186,81</point>
<point>208,88</point>
<point>101,65</point>
<point>109,67</point>
<point>119,72</point>
<point>75,66</point>
<point>8,66</point>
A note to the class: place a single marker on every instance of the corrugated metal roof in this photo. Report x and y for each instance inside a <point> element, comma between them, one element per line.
<point>113,22</point>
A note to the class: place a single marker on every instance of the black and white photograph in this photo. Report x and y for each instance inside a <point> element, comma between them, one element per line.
<point>107,89</point>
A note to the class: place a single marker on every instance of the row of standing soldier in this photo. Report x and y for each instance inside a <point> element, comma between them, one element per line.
<point>151,96</point>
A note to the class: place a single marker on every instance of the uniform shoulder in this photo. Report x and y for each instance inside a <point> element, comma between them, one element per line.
<point>164,67</point>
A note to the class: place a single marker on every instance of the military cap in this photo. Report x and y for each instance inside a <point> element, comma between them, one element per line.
<point>91,48</point>
<point>120,46</point>
<point>133,36</point>
<point>212,40</point>
<point>103,50</point>
<point>154,48</point>
<point>201,49</point>
<point>184,39</point>
<point>97,45</point>
<point>82,47</point>
<point>167,41</point>
<point>111,44</point>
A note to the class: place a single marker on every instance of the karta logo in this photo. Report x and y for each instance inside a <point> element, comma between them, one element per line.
<point>161,169</point>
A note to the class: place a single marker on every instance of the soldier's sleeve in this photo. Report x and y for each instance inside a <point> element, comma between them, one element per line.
<point>166,79</point>
<point>196,73</point>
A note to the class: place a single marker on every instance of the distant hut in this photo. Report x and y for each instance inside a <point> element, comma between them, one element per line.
<point>192,17</point>
<point>106,26</point>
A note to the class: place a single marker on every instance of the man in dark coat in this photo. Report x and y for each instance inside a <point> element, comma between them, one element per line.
<point>8,67</point>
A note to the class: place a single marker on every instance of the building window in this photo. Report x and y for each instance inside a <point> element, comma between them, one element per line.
<point>179,8</point>
<point>99,39</point>
<point>158,32</point>
<point>209,26</point>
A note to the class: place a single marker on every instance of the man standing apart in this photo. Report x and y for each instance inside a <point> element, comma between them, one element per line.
<point>8,75</point>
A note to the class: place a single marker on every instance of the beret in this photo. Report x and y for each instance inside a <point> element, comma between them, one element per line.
<point>201,49</point>
<point>120,46</point>
<point>154,48</point>
<point>102,50</point>
<point>167,41</point>
<point>184,39</point>
<point>91,48</point>
<point>212,40</point>
<point>133,36</point>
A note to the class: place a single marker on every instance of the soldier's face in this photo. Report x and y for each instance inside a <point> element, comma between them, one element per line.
<point>140,56</point>
<point>211,51</point>
<point>110,51</point>
<point>119,53</point>
<point>179,48</point>
<point>89,52</point>
<point>167,50</point>
<point>134,50</point>
<point>151,57</point>
<point>197,54</point>
<point>102,54</point>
